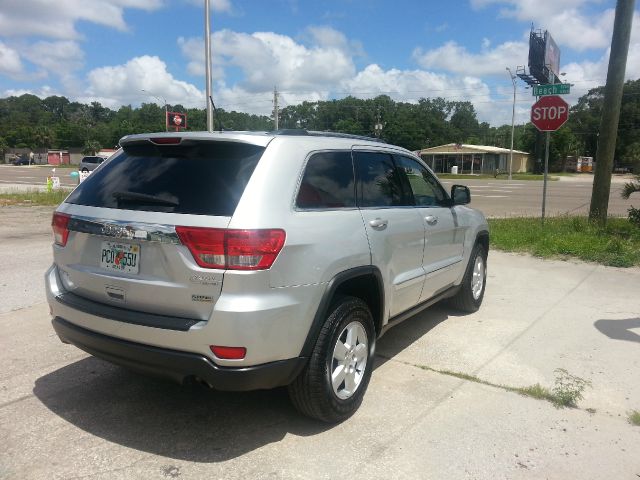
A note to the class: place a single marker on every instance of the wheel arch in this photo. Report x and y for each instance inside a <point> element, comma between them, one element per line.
<point>482,237</point>
<point>362,282</point>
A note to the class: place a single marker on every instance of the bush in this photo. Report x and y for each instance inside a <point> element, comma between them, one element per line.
<point>627,190</point>
<point>634,216</point>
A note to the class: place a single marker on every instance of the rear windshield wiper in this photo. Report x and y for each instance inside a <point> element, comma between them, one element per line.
<point>143,198</point>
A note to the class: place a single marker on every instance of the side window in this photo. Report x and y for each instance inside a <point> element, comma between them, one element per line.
<point>327,182</point>
<point>378,181</point>
<point>427,192</point>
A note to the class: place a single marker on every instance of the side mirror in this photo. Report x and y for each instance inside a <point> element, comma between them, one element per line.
<point>460,195</point>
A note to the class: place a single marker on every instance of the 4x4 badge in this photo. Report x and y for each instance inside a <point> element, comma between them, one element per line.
<point>201,298</point>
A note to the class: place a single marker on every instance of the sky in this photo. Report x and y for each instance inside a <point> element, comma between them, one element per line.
<point>128,52</point>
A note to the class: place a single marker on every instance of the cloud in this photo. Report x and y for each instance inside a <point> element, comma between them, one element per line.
<point>57,19</point>
<point>567,20</point>
<point>455,58</point>
<point>10,63</point>
<point>267,59</point>
<point>216,5</point>
<point>123,84</point>
<point>411,85</point>
<point>41,92</point>
<point>59,56</point>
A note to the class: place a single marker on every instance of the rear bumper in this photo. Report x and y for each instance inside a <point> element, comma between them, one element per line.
<point>178,365</point>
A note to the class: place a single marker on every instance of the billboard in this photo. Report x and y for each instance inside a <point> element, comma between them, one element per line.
<point>536,56</point>
<point>551,54</point>
<point>544,57</point>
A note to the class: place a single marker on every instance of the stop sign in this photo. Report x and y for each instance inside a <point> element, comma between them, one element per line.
<point>549,113</point>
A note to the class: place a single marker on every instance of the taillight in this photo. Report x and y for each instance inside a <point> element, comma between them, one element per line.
<point>229,353</point>
<point>166,140</point>
<point>232,249</point>
<point>60,223</point>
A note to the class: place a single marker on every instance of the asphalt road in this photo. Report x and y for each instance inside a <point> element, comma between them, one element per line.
<point>496,198</point>
<point>66,415</point>
<point>34,175</point>
<point>570,195</point>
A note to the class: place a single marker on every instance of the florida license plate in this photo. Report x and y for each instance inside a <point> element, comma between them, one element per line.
<point>120,257</point>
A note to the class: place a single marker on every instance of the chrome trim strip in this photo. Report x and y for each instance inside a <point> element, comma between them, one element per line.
<point>150,232</point>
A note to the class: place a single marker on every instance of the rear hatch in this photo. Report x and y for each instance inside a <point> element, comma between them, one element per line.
<point>124,224</point>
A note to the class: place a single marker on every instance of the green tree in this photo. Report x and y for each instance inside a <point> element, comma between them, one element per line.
<point>4,146</point>
<point>632,154</point>
<point>91,147</point>
<point>43,137</point>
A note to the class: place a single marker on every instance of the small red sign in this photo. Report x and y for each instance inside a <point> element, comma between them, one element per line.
<point>177,120</point>
<point>549,113</point>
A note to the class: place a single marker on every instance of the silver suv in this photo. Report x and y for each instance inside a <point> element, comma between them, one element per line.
<point>90,163</point>
<point>255,260</point>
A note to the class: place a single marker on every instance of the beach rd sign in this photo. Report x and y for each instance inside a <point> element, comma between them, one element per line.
<point>549,113</point>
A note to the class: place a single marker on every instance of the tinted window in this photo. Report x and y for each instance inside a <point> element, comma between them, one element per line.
<point>327,182</point>
<point>426,190</point>
<point>378,181</point>
<point>202,178</point>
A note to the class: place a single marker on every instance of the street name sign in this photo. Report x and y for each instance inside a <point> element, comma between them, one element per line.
<point>551,89</point>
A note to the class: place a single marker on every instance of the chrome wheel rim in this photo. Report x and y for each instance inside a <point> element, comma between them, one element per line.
<point>477,279</point>
<point>349,360</point>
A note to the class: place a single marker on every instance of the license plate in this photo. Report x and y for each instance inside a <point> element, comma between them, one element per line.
<point>120,257</point>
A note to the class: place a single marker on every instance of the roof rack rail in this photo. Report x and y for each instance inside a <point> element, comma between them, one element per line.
<point>317,133</point>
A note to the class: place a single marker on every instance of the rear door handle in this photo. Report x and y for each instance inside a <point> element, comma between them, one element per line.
<point>431,219</point>
<point>378,223</point>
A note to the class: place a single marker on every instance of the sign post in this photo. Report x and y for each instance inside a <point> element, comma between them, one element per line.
<point>548,114</point>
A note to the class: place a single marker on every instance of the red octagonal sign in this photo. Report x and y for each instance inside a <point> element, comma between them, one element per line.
<point>549,113</point>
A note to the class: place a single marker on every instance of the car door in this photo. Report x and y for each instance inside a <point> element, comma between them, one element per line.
<point>444,236</point>
<point>394,228</point>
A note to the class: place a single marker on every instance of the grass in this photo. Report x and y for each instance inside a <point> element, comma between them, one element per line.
<point>566,392</point>
<point>515,176</point>
<point>634,418</point>
<point>33,197</point>
<point>617,244</point>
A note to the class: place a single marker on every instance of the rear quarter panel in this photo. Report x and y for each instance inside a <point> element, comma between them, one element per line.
<point>319,244</point>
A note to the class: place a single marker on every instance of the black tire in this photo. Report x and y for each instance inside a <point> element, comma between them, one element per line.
<point>85,169</point>
<point>312,392</point>
<point>465,300</point>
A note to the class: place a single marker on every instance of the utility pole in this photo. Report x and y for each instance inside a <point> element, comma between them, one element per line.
<point>513,116</point>
<point>276,112</point>
<point>207,52</point>
<point>611,111</point>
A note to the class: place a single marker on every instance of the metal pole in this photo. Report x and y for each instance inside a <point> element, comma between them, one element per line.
<point>207,52</point>
<point>275,108</point>
<point>513,116</point>
<point>166,111</point>
<point>546,162</point>
<point>546,169</point>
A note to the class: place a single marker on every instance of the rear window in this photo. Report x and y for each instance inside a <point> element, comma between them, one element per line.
<point>199,178</point>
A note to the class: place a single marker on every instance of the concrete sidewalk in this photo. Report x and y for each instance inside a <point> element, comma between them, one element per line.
<point>66,415</point>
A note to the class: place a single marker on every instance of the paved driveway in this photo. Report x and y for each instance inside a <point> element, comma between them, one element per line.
<point>66,415</point>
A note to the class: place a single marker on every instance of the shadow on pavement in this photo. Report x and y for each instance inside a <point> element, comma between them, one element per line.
<point>190,422</point>
<point>408,332</point>
<point>619,329</point>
